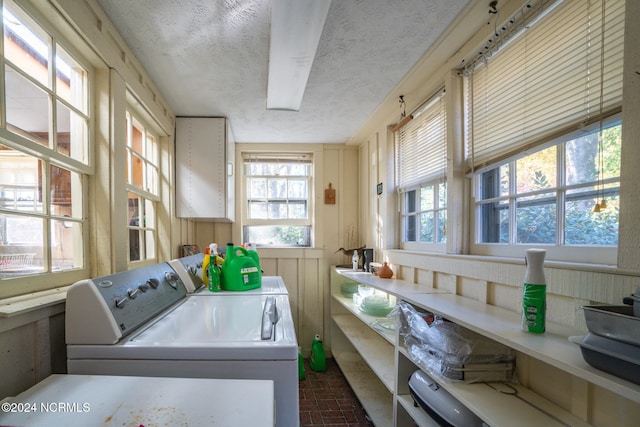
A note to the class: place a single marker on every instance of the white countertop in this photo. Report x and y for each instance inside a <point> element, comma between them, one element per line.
<point>82,400</point>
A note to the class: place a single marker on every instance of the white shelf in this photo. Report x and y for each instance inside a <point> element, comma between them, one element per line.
<point>417,413</point>
<point>502,404</point>
<point>371,393</point>
<point>497,404</point>
<point>377,353</point>
<point>552,347</point>
<point>348,303</point>
<point>396,287</point>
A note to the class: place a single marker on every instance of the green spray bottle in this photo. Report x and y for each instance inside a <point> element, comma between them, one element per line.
<point>317,361</point>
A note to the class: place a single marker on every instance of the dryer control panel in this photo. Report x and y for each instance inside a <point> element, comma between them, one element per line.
<point>104,309</point>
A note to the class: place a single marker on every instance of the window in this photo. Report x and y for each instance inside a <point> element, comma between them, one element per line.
<point>421,150</point>
<point>278,200</point>
<point>143,189</point>
<point>548,197</point>
<point>44,154</point>
<point>543,131</point>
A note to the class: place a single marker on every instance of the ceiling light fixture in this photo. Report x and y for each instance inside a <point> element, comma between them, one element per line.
<point>296,26</point>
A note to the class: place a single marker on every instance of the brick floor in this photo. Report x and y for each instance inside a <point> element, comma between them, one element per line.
<point>327,400</point>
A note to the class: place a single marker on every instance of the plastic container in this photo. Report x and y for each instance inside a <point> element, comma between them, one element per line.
<point>214,269</point>
<point>301,374</point>
<point>251,251</point>
<point>205,266</point>
<point>534,293</point>
<point>239,271</point>
<point>317,361</point>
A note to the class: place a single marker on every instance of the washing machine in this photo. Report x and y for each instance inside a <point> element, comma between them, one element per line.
<point>143,322</point>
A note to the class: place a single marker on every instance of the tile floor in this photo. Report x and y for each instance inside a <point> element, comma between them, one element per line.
<point>327,400</point>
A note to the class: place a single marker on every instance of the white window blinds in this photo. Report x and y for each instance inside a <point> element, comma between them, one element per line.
<point>421,145</point>
<point>547,80</point>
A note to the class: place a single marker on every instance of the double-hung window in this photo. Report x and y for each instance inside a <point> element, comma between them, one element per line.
<point>142,188</point>
<point>44,149</point>
<point>278,206</point>
<point>544,132</point>
<point>421,151</point>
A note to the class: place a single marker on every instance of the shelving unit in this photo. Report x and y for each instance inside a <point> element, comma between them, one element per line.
<point>388,364</point>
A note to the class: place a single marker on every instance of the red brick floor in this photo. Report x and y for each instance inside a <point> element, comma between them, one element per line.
<point>327,400</point>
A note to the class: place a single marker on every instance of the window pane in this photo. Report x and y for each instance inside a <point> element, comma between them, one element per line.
<point>278,235</point>
<point>495,183</point>
<point>72,133</point>
<point>277,188</point>
<point>277,210</point>
<point>494,222</point>
<point>64,184</point>
<point>22,245</point>
<point>536,219</point>
<point>257,210</point>
<point>152,179</point>
<point>442,226</point>
<point>427,227</point>
<point>537,171</point>
<point>583,226</point>
<point>149,217</point>
<point>257,188</point>
<point>150,244</point>
<point>66,245</point>
<point>136,171</point>
<point>135,245</point>
<point>426,198</point>
<point>134,213</point>
<point>582,159</point>
<point>28,108</point>
<point>71,82</point>
<point>297,189</point>
<point>442,195</point>
<point>26,45</point>
<point>298,210</point>
<point>410,229</point>
<point>410,201</point>
<point>19,181</point>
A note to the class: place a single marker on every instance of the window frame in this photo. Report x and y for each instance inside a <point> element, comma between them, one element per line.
<point>147,196</point>
<point>49,157</point>
<point>307,224</point>
<point>558,250</point>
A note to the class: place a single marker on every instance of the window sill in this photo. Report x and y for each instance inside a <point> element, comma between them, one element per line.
<point>15,306</point>
<point>566,265</point>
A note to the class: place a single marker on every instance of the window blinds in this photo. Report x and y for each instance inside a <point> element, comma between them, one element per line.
<point>546,81</point>
<point>421,145</point>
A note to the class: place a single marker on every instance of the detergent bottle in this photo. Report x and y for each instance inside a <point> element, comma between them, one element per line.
<point>251,251</point>
<point>214,269</point>
<point>240,271</point>
<point>205,266</point>
<point>317,361</point>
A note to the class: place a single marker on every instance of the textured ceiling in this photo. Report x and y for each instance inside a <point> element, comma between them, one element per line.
<point>210,58</point>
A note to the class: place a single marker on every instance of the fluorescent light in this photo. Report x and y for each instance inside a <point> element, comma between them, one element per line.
<point>296,26</point>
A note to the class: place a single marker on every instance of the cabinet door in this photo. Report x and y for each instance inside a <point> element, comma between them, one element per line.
<point>203,172</point>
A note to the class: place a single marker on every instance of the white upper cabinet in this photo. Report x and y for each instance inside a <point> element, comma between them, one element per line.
<point>205,159</point>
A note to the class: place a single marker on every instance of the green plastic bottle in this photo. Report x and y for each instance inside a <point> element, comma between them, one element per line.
<point>214,269</point>
<point>317,361</point>
<point>301,374</point>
